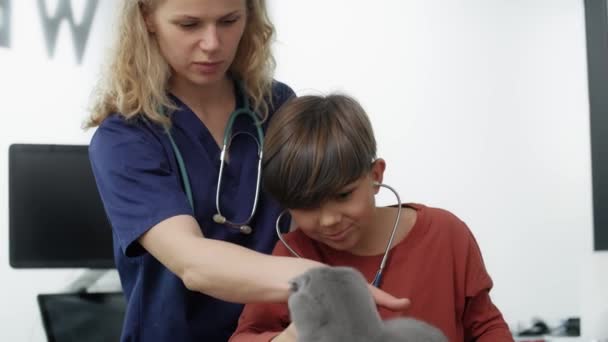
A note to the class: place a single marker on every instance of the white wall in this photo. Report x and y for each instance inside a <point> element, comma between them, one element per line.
<point>479,106</point>
<point>44,100</point>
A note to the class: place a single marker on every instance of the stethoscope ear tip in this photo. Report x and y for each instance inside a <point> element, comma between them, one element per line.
<point>245,229</point>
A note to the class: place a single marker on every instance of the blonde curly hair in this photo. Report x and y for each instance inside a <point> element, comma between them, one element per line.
<point>137,76</point>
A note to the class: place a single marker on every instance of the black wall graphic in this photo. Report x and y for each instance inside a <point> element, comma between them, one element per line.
<point>596,16</point>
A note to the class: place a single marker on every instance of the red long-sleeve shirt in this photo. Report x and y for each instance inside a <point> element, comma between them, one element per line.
<point>438,265</point>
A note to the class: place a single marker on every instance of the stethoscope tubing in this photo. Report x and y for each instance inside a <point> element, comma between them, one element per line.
<point>219,218</point>
<point>378,277</point>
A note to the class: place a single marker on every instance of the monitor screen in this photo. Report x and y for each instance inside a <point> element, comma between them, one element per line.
<point>56,218</point>
<point>82,316</point>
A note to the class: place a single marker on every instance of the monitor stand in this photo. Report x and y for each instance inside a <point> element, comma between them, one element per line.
<point>87,279</point>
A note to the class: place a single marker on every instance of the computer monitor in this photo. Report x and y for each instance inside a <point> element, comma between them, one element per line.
<point>82,316</point>
<point>56,217</point>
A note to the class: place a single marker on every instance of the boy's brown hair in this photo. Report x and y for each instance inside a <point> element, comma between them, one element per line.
<point>314,147</point>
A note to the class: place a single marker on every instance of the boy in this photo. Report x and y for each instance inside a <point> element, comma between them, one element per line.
<point>320,162</point>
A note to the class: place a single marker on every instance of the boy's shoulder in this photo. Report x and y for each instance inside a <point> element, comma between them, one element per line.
<point>435,213</point>
<point>440,221</point>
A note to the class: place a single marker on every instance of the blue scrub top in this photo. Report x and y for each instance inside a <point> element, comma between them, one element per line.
<point>139,182</point>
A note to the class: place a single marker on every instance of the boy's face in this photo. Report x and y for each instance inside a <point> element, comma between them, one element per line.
<point>345,220</point>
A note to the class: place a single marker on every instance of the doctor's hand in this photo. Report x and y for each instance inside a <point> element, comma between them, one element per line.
<point>388,301</point>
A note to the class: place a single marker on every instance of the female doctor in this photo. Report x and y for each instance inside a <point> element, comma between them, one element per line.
<point>191,226</point>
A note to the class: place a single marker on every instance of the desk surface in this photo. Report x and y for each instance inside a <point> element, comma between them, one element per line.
<point>548,338</point>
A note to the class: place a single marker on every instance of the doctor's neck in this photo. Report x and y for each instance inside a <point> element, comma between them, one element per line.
<point>202,96</point>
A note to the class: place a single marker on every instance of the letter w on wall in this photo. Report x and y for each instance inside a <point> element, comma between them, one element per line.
<point>80,32</point>
<point>5,23</point>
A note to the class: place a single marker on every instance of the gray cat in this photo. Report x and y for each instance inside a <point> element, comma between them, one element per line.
<point>333,304</point>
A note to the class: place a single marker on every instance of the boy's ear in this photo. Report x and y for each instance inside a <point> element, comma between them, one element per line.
<point>377,172</point>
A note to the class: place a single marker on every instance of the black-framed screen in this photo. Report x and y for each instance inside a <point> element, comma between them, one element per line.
<point>596,18</point>
<point>82,316</point>
<point>56,217</point>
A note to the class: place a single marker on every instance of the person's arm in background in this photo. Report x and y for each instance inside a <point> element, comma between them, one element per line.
<point>228,271</point>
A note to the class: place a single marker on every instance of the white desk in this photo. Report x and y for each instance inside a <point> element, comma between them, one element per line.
<point>548,338</point>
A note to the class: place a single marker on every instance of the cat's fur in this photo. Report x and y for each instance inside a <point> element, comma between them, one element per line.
<point>331,304</point>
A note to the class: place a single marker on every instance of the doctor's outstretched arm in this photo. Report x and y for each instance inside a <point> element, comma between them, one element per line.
<point>220,269</point>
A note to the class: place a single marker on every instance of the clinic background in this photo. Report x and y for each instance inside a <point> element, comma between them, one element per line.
<point>479,106</point>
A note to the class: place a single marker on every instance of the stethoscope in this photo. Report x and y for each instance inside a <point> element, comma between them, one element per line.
<point>378,277</point>
<point>219,218</point>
